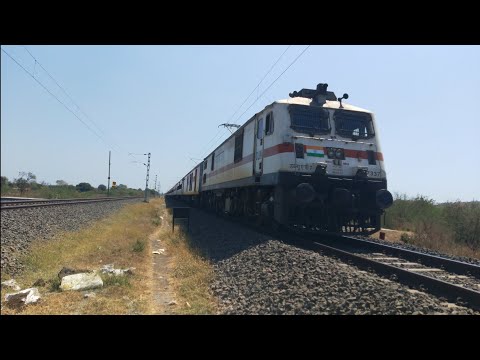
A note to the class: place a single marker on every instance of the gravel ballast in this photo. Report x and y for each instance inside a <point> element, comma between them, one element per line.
<point>256,274</point>
<point>19,227</point>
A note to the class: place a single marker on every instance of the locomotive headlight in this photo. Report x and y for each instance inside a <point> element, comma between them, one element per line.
<point>331,153</point>
<point>339,154</point>
<point>383,198</point>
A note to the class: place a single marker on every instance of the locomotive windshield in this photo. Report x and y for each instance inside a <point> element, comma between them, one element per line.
<point>309,120</point>
<point>353,124</point>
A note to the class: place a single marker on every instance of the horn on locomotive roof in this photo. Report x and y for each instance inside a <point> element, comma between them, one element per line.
<point>319,95</point>
<point>345,96</point>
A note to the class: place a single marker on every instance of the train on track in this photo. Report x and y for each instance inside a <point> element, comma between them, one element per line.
<point>311,163</point>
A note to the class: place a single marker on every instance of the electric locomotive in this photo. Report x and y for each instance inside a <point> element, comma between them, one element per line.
<point>311,162</point>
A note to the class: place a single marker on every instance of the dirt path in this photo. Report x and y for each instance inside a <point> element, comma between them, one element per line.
<point>162,290</point>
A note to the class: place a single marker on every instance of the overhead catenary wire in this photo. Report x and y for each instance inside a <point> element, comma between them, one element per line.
<point>62,103</point>
<point>65,92</point>
<point>258,85</point>
<point>56,98</point>
<point>215,137</point>
<point>274,81</point>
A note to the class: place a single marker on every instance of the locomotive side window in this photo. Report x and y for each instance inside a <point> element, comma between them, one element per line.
<point>269,124</point>
<point>238,147</point>
<point>353,124</point>
<point>309,120</point>
<point>260,129</point>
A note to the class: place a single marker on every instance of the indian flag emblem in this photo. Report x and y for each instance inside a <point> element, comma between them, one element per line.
<point>315,151</point>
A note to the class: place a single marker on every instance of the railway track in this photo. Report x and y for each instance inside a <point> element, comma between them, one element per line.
<point>455,281</point>
<point>31,203</point>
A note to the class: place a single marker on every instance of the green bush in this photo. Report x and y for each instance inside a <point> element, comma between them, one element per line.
<point>457,222</point>
<point>139,246</point>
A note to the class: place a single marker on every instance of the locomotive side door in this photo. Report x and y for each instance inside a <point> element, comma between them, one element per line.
<point>258,148</point>
<point>201,177</point>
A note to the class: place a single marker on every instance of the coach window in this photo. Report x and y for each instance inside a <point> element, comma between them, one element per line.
<point>191,181</point>
<point>204,178</point>
<point>269,124</point>
<point>213,161</point>
<point>238,147</point>
<point>205,164</point>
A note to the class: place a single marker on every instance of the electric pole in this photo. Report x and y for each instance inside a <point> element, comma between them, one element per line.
<point>155,188</point>
<point>109,156</point>
<point>148,174</point>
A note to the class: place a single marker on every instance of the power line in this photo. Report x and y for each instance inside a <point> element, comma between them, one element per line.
<point>244,101</point>
<point>65,92</point>
<point>256,87</point>
<point>66,107</point>
<point>274,81</point>
<point>283,72</point>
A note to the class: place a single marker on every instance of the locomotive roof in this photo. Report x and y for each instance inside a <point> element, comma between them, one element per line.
<point>328,104</point>
<point>297,101</point>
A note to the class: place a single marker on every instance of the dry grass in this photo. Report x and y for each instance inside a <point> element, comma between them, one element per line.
<point>191,273</point>
<point>121,239</point>
<point>430,237</point>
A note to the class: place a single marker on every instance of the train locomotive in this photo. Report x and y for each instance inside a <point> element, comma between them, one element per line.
<point>311,163</point>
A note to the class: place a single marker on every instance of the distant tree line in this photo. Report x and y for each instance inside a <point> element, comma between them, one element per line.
<point>26,182</point>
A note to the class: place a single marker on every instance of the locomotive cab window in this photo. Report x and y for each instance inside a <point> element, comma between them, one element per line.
<point>269,124</point>
<point>353,124</point>
<point>238,147</point>
<point>309,120</point>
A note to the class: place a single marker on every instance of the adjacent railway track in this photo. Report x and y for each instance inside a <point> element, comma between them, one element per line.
<point>455,281</point>
<point>31,203</point>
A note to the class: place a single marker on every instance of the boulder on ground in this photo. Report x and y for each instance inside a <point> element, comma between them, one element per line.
<point>11,284</point>
<point>82,281</point>
<point>24,297</point>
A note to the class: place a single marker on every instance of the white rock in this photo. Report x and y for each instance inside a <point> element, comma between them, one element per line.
<point>109,269</point>
<point>27,296</point>
<point>11,284</point>
<point>89,295</point>
<point>82,281</point>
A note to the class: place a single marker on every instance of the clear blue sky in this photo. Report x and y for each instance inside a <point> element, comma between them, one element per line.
<point>169,100</point>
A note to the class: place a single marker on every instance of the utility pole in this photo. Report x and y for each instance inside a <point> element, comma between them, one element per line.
<point>109,157</point>
<point>148,174</point>
<point>155,188</point>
